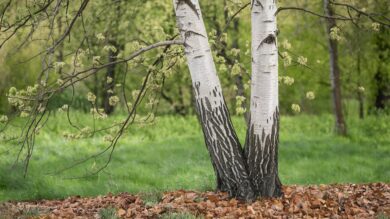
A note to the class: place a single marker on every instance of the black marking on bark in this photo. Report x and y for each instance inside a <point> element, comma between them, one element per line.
<point>224,148</point>
<point>258,2</point>
<point>263,136</point>
<point>270,39</point>
<point>208,104</point>
<point>196,86</point>
<point>188,33</point>
<point>190,4</point>
<point>261,154</point>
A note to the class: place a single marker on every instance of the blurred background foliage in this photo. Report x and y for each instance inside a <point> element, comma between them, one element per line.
<point>117,28</point>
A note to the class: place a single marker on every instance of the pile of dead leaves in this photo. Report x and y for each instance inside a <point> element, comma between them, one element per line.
<point>323,201</point>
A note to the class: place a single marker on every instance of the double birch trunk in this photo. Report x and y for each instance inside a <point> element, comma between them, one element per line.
<point>261,147</point>
<point>253,172</point>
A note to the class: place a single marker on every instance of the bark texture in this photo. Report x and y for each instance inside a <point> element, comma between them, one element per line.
<point>261,148</point>
<point>220,137</point>
<point>340,125</point>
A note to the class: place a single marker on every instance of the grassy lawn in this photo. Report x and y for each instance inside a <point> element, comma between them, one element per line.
<point>171,155</point>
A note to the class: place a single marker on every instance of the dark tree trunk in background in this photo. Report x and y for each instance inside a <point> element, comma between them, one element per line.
<point>382,75</point>
<point>340,125</point>
<point>60,54</point>
<point>360,93</point>
<point>179,107</point>
<point>108,88</point>
<point>381,96</point>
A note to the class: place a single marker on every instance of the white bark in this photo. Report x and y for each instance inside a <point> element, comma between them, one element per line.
<point>220,137</point>
<point>197,49</point>
<point>264,81</point>
<point>261,147</point>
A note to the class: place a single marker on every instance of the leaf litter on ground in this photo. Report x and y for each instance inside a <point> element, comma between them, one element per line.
<point>315,201</point>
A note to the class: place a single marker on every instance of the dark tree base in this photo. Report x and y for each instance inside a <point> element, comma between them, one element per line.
<point>235,174</point>
<point>270,187</point>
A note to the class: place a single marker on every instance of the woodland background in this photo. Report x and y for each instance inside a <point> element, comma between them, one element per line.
<point>164,150</point>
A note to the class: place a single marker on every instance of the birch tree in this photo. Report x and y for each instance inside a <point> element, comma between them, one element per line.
<point>261,147</point>
<point>244,172</point>
<point>252,172</point>
<point>220,137</point>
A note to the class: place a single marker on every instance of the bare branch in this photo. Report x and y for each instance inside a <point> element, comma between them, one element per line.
<point>68,30</point>
<point>360,12</point>
<point>340,17</point>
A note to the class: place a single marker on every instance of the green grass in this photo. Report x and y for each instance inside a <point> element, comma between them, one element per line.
<point>179,216</point>
<point>171,155</point>
<point>108,213</point>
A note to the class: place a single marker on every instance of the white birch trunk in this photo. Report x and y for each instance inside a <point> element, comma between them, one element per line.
<point>262,136</point>
<point>221,140</point>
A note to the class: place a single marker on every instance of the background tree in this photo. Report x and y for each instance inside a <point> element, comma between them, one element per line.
<point>332,29</point>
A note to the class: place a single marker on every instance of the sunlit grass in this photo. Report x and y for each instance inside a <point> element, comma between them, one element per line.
<point>171,155</point>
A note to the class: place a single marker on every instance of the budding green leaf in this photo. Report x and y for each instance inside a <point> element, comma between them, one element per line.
<point>12,91</point>
<point>3,119</point>
<point>302,60</point>
<point>287,59</point>
<point>60,82</point>
<point>236,70</point>
<point>59,65</point>
<point>296,108</point>
<point>235,52</point>
<point>240,110</point>
<point>109,80</point>
<point>99,113</point>
<point>287,80</point>
<point>310,95</point>
<point>286,44</point>
<point>108,138</point>
<point>222,68</point>
<point>91,97</point>
<point>100,36</point>
<point>375,26</point>
<point>335,34</point>
<point>114,100</point>
<point>240,99</point>
<point>24,114</point>
<point>96,60</point>
<point>110,48</point>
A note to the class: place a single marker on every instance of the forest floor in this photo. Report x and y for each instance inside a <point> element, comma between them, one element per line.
<point>170,155</point>
<point>322,201</point>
